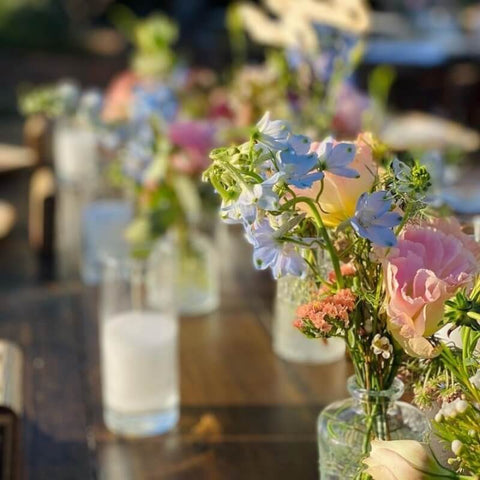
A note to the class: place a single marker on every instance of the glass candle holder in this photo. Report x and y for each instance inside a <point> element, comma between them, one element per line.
<point>138,344</point>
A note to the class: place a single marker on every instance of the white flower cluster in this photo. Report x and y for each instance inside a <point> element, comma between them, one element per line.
<point>452,409</point>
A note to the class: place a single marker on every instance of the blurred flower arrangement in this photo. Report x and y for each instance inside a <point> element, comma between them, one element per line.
<point>394,263</point>
<point>161,138</point>
<point>63,99</point>
<point>313,50</point>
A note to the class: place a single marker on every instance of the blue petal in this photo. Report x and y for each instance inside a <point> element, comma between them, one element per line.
<point>263,257</point>
<point>300,144</point>
<point>344,172</point>
<point>306,181</point>
<point>341,155</point>
<point>378,202</point>
<point>389,219</point>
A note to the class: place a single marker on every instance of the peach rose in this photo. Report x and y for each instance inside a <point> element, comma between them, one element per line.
<point>430,262</point>
<point>340,194</point>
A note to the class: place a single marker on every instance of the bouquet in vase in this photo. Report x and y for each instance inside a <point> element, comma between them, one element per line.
<point>393,266</point>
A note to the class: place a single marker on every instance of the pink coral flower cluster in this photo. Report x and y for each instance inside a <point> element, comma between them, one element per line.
<point>429,264</point>
<point>347,270</point>
<point>321,312</point>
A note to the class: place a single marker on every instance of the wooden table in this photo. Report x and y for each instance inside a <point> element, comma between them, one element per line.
<point>245,414</point>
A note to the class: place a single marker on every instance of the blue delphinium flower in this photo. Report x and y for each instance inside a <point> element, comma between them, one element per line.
<point>238,211</point>
<point>335,158</point>
<point>300,144</point>
<point>139,153</point>
<point>244,209</point>
<point>272,134</point>
<point>298,170</point>
<point>373,219</point>
<point>157,101</point>
<point>271,252</point>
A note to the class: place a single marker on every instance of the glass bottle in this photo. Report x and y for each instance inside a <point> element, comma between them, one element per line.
<point>346,428</point>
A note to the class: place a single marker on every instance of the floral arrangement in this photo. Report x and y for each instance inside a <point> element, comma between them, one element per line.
<point>63,99</point>
<point>393,264</point>
<point>312,53</point>
<point>161,157</point>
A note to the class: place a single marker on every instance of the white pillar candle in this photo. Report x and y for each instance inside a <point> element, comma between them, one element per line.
<point>75,152</point>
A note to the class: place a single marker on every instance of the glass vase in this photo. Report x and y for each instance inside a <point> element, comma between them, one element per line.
<point>288,342</point>
<point>197,273</point>
<point>346,428</point>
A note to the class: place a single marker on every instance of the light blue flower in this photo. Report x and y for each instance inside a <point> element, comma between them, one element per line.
<point>238,211</point>
<point>157,101</point>
<point>139,153</point>
<point>272,134</point>
<point>300,144</point>
<point>271,252</point>
<point>373,219</point>
<point>244,209</point>
<point>335,158</point>
<point>298,170</point>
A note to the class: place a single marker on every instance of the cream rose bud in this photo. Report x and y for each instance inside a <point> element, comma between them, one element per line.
<point>340,194</point>
<point>403,460</point>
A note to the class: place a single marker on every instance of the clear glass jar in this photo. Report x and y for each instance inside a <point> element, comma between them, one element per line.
<point>138,344</point>
<point>197,273</point>
<point>346,428</point>
<point>288,342</point>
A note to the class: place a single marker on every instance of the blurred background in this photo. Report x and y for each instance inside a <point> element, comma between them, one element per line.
<point>433,47</point>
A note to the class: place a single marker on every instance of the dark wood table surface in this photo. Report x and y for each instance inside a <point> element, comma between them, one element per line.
<point>245,414</point>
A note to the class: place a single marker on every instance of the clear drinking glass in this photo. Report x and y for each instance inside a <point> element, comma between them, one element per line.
<point>138,344</point>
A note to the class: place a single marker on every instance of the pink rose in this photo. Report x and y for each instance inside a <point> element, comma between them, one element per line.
<point>193,140</point>
<point>429,264</point>
<point>340,194</point>
<point>119,96</point>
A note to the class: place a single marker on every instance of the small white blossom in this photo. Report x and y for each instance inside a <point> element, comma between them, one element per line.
<point>461,406</point>
<point>439,417</point>
<point>475,380</point>
<point>382,346</point>
<point>457,446</point>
